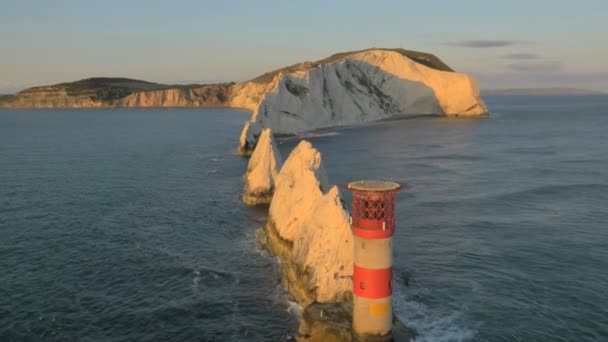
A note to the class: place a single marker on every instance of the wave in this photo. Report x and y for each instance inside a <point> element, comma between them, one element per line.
<point>554,191</point>
<point>309,135</point>
<point>429,326</point>
<point>280,296</point>
<point>538,150</point>
<point>458,157</point>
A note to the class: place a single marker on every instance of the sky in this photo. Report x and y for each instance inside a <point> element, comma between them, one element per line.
<point>504,44</point>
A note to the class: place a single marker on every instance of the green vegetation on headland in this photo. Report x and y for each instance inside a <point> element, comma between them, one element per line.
<point>108,92</point>
<point>423,58</point>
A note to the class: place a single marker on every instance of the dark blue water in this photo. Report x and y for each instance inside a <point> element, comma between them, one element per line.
<point>126,225</point>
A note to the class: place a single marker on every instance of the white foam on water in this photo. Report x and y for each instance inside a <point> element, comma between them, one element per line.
<point>196,280</point>
<point>307,135</point>
<point>294,309</point>
<point>280,296</point>
<point>429,326</point>
<point>318,134</point>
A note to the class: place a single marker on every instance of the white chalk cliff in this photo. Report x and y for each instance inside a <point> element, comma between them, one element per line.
<point>262,170</point>
<point>309,231</point>
<point>343,89</point>
<point>324,245</point>
<point>299,185</point>
<point>353,88</point>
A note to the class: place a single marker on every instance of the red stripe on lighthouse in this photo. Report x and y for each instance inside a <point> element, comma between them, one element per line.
<point>367,233</point>
<point>372,283</point>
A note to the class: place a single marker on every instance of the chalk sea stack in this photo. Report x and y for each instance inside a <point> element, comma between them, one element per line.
<point>308,230</point>
<point>324,247</point>
<point>262,170</point>
<point>301,182</point>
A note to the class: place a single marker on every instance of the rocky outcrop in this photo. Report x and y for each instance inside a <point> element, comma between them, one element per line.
<point>216,95</point>
<point>333,322</point>
<point>324,247</point>
<point>309,231</point>
<point>105,92</point>
<point>361,87</point>
<point>344,89</point>
<point>262,171</point>
<point>300,184</point>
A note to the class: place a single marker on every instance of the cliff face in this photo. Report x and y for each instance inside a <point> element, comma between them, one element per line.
<point>118,92</point>
<point>201,96</point>
<point>300,183</point>
<point>262,170</point>
<point>324,247</point>
<point>49,97</point>
<point>343,89</point>
<point>308,230</point>
<point>360,87</point>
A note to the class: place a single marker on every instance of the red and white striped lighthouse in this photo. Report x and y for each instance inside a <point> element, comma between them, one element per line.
<point>373,225</point>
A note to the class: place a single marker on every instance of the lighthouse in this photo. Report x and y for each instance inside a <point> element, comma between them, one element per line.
<point>373,225</point>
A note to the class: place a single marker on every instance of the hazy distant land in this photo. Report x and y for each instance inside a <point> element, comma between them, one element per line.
<point>541,91</point>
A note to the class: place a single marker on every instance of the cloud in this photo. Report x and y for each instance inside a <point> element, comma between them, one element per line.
<point>543,66</point>
<point>522,55</point>
<point>487,43</point>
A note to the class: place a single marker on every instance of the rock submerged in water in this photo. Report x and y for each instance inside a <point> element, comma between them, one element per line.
<point>262,170</point>
<point>333,322</point>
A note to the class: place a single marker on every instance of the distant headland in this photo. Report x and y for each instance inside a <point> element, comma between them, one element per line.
<point>113,92</point>
<point>343,89</point>
<point>541,91</point>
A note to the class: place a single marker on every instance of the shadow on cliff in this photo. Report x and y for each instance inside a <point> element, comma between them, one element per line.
<point>355,91</point>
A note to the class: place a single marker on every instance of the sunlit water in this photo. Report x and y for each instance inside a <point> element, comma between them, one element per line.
<point>126,225</point>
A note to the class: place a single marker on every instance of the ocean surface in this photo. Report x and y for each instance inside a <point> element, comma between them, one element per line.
<point>126,225</point>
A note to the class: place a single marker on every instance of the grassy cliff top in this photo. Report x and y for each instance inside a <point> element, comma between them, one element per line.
<point>96,83</point>
<point>112,82</point>
<point>103,88</point>
<point>113,88</point>
<point>93,83</point>
<point>423,58</point>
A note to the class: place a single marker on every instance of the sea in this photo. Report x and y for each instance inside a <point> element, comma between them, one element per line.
<point>127,224</point>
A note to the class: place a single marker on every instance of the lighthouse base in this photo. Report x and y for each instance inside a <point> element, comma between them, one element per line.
<point>333,322</point>
<point>372,316</point>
